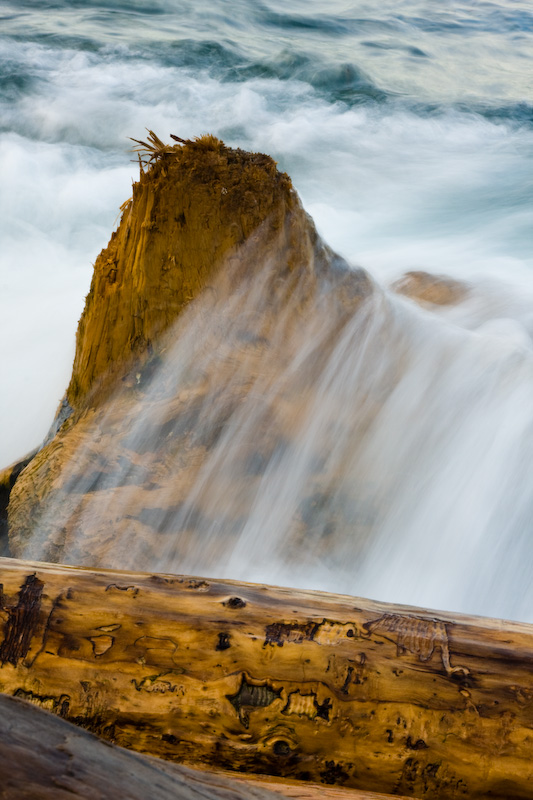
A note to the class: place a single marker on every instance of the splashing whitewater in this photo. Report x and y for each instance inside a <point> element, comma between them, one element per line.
<point>382,452</point>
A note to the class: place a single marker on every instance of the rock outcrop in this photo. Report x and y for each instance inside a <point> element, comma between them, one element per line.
<point>210,291</point>
<point>431,290</point>
<point>194,206</point>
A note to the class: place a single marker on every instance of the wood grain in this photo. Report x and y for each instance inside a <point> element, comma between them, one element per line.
<point>310,791</point>
<point>302,685</point>
<point>47,758</point>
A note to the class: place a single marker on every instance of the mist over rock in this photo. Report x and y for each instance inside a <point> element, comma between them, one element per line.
<point>431,290</point>
<point>212,314</point>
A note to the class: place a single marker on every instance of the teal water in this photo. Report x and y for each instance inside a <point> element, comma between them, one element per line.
<point>407,128</point>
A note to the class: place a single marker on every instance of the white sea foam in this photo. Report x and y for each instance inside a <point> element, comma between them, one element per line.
<point>444,468</point>
<point>56,209</point>
<point>389,189</point>
<point>404,476</point>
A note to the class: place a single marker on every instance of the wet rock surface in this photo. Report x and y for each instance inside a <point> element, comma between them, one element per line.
<point>425,288</point>
<point>206,298</point>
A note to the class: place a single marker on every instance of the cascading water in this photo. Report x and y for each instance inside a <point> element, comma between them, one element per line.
<point>382,452</point>
<point>387,456</point>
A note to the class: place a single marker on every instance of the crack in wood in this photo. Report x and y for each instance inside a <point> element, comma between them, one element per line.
<point>22,621</point>
<point>250,696</point>
<point>133,589</point>
<point>335,773</point>
<point>421,637</point>
<point>159,651</point>
<point>199,586</point>
<point>281,632</point>
<point>156,684</point>
<point>59,705</point>
<point>307,705</point>
<point>223,642</point>
<point>234,602</point>
<point>56,604</point>
<point>101,644</point>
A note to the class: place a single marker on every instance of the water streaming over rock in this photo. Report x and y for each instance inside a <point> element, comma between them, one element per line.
<point>389,456</point>
<point>284,435</point>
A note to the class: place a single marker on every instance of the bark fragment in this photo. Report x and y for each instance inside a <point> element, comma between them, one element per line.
<point>22,622</point>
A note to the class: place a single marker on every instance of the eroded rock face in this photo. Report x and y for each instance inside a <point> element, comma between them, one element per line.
<point>212,313</point>
<point>194,206</point>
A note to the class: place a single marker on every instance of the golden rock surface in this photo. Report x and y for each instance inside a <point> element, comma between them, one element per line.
<point>225,229</point>
<point>428,289</point>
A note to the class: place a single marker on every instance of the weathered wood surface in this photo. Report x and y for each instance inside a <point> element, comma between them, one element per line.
<point>311,791</point>
<point>46,758</point>
<point>315,687</point>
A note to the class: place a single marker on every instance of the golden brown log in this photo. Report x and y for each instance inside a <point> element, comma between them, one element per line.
<point>308,686</point>
<point>47,758</point>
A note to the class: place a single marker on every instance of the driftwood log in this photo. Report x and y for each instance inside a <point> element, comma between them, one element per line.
<point>303,685</point>
<point>47,758</point>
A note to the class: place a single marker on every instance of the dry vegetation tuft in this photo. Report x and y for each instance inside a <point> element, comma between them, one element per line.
<point>155,149</point>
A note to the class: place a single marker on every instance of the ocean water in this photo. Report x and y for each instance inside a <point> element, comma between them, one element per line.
<point>407,128</point>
